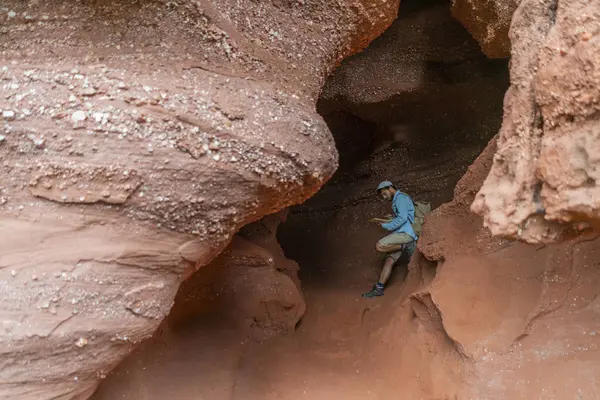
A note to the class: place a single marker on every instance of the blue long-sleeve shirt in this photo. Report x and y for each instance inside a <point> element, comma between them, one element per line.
<point>404,212</point>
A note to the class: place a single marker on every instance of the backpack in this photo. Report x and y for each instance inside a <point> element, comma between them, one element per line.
<point>421,209</point>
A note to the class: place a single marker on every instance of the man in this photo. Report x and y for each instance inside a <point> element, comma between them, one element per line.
<point>402,236</point>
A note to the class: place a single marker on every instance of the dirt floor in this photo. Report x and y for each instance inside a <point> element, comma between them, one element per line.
<point>327,357</point>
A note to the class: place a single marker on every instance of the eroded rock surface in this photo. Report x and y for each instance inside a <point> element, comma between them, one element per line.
<point>489,23</point>
<point>476,317</point>
<point>137,138</point>
<point>424,83</point>
<point>78,292</point>
<point>516,314</point>
<point>544,178</point>
<point>252,283</point>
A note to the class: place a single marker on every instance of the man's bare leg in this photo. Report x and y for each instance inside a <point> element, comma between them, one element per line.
<point>383,278</point>
<point>387,270</point>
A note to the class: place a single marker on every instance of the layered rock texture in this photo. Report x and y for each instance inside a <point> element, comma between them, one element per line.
<point>251,283</point>
<point>416,107</point>
<point>524,313</point>
<point>543,182</point>
<point>137,138</point>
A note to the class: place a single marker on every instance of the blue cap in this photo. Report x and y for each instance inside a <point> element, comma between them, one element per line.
<point>384,184</point>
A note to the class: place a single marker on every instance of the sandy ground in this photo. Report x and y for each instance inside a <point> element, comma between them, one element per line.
<point>327,357</point>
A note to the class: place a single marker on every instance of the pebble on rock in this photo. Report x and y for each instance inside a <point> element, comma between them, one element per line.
<point>78,116</point>
<point>8,115</point>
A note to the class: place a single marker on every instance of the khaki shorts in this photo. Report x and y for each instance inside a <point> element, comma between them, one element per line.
<point>394,244</point>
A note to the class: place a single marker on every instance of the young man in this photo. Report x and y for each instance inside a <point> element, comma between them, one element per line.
<point>402,236</point>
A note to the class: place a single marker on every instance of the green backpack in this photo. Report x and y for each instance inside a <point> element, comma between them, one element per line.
<point>421,209</point>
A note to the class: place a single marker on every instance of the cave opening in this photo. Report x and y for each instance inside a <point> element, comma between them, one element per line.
<point>416,107</point>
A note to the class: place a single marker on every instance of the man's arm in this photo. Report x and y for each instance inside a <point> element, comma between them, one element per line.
<point>401,218</point>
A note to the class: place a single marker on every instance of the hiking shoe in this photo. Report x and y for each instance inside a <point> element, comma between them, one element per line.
<point>375,292</point>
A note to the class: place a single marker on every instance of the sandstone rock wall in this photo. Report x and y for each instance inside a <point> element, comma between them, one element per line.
<point>137,138</point>
<point>489,23</point>
<point>78,293</point>
<point>251,284</point>
<point>544,179</point>
<point>504,318</point>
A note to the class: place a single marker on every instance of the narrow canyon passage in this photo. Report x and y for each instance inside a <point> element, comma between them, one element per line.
<point>417,107</point>
<point>186,188</point>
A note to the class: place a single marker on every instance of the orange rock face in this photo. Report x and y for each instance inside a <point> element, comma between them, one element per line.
<point>545,172</point>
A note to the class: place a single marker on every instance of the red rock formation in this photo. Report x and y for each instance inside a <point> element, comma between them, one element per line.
<point>423,84</point>
<point>489,23</point>
<point>545,172</point>
<point>251,284</point>
<point>138,137</point>
<point>516,314</point>
<point>477,317</point>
